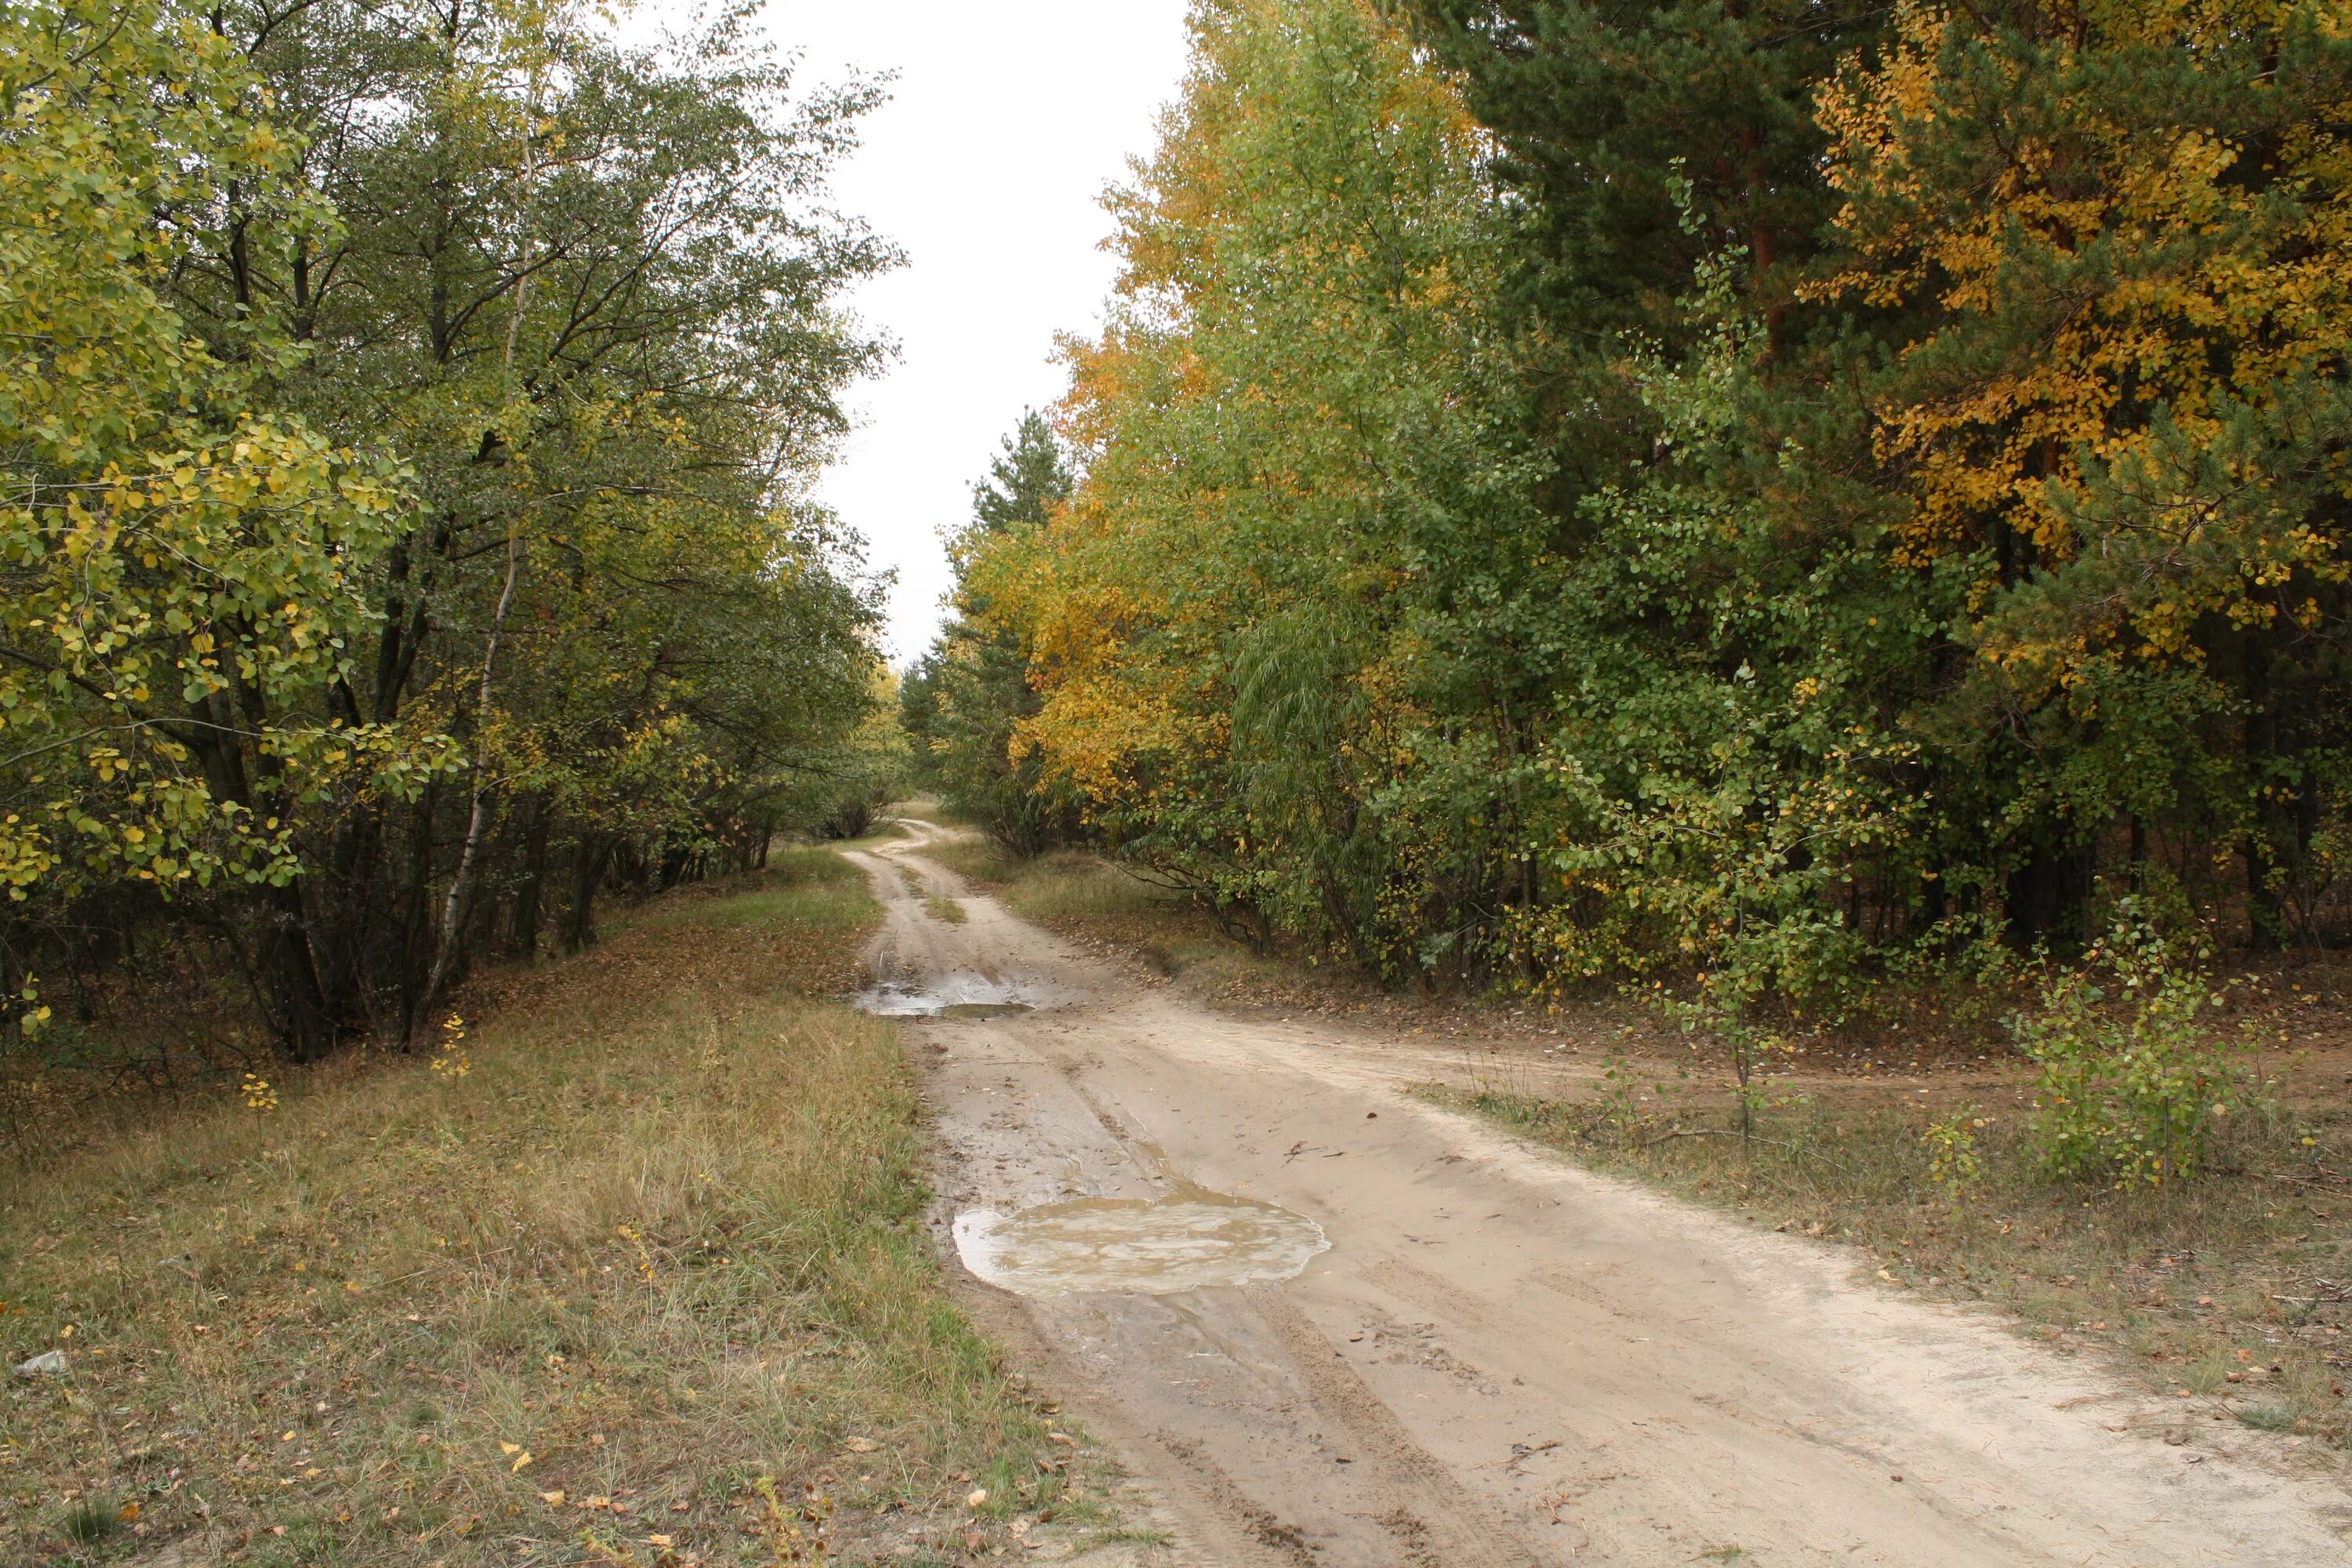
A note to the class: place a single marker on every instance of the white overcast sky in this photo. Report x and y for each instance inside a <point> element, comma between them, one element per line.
<point>1007,120</point>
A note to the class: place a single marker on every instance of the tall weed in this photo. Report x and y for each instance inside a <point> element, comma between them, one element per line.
<point>2133,1084</point>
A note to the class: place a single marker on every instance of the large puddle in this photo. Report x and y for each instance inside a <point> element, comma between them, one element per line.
<point>1188,1241</point>
<point>959,997</point>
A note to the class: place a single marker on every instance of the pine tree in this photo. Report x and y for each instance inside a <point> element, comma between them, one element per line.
<point>964,702</point>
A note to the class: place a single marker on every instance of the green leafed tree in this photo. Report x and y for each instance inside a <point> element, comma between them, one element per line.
<point>965,700</point>
<point>185,564</point>
<point>411,423</point>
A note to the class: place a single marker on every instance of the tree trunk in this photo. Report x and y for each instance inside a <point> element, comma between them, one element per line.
<point>522,931</point>
<point>589,856</point>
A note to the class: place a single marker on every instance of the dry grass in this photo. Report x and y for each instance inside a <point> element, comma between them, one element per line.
<point>2231,1291</point>
<point>1097,902</point>
<point>653,1257</point>
<point>1059,885</point>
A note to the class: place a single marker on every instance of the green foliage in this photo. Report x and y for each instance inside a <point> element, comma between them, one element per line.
<point>1670,491</point>
<point>1954,1165</point>
<point>404,429</point>
<point>2133,1084</point>
<point>178,560</point>
<point>964,702</point>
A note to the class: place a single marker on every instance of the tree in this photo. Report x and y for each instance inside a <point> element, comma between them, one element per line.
<point>966,700</point>
<point>183,565</point>
<point>582,287</point>
<point>543,604</point>
<point>2120,411</point>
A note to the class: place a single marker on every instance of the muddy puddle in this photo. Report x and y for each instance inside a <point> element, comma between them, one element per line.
<point>969,998</point>
<point>961,995</point>
<point>1189,1240</point>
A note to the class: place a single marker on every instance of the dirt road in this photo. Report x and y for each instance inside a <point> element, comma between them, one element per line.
<point>1450,1350</point>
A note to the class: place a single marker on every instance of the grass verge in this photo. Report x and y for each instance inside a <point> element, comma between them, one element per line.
<point>633,1273</point>
<point>1096,901</point>
<point>2230,1291</point>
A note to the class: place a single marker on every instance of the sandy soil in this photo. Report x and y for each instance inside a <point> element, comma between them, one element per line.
<point>1501,1359</point>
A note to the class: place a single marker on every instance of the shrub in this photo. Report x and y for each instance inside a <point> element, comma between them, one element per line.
<point>1953,1163</point>
<point>2132,1083</point>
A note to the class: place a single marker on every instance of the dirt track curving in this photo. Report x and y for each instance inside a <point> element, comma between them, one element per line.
<point>1501,1359</point>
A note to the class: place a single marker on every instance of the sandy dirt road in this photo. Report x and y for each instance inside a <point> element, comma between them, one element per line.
<point>1498,1360</point>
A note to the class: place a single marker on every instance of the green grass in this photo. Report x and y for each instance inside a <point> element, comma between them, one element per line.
<point>946,909</point>
<point>649,1233</point>
<point>1070,885</point>
<point>2227,1286</point>
<point>1060,885</point>
<point>808,885</point>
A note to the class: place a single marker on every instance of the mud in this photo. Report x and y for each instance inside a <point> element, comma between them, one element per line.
<point>1191,1240</point>
<point>1499,1358</point>
<point>956,997</point>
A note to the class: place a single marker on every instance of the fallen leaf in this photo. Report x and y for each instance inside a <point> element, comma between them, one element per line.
<point>863,1445</point>
<point>554,1496</point>
<point>521,1460</point>
<point>979,1495</point>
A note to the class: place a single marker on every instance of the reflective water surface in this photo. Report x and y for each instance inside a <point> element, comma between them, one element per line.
<point>1189,1240</point>
<point>957,996</point>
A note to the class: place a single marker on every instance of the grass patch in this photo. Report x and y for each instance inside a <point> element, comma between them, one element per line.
<point>1093,898</point>
<point>651,1256</point>
<point>946,909</point>
<point>2231,1286</point>
<point>1071,886</point>
<point>808,888</point>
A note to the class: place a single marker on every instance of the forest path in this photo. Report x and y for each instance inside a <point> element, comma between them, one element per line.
<point>1500,1359</point>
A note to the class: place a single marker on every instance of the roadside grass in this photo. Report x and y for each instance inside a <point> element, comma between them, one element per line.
<point>1059,885</point>
<point>2231,1290</point>
<point>946,909</point>
<point>809,888</point>
<point>1086,896</point>
<point>630,1272</point>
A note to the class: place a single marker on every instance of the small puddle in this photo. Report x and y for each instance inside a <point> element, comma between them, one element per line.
<point>1189,1240</point>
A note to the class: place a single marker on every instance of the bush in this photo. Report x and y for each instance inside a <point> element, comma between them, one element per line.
<point>2133,1085</point>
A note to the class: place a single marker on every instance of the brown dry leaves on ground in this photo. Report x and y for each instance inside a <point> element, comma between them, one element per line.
<point>631,1273</point>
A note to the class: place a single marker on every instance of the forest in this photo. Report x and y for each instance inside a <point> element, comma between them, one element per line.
<point>407,419</point>
<point>1768,496</point>
<point>1748,501</point>
<point>1670,664</point>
